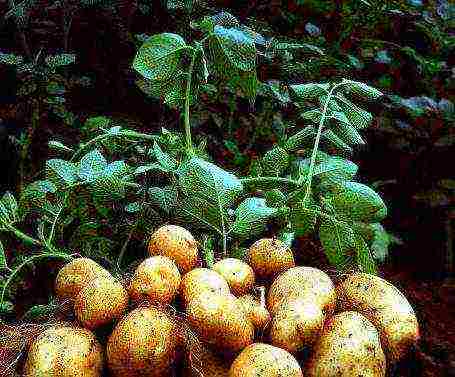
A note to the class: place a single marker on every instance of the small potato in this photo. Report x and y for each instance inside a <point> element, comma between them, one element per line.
<point>219,320</point>
<point>269,256</point>
<point>306,282</point>
<point>156,279</point>
<point>238,274</point>
<point>100,302</point>
<point>75,275</point>
<point>144,343</point>
<point>264,360</point>
<point>386,307</point>
<point>176,243</point>
<point>62,351</point>
<point>258,314</point>
<point>200,280</point>
<point>296,324</point>
<point>349,346</point>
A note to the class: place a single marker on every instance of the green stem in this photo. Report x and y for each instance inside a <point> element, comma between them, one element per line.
<point>266,180</point>
<point>24,237</point>
<point>189,144</point>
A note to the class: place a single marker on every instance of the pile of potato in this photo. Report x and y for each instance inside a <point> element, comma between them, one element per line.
<point>357,328</point>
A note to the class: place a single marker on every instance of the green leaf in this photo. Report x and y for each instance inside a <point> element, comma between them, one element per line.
<point>10,59</point>
<point>310,91</point>
<point>334,140</point>
<point>53,144</point>
<point>6,307</point>
<point>164,198</point>
<point>275,198</point>
<point>335,168</point>
<point>8,209</point>
<point>382,240</point>
<point>356,201</point>
<point>286,237</point>
<point>365,260</point>
<point>358,117</point>
<point>92,166</point>
<point>344,129</point>
<point>275,161</point>
<point>338,241</point>
<point>3,264</point>
<point>59,60</point>
<point>360,89</point>
<point>159,57</point>
<point>164,159</point>
<point>63,171</point>
<point>251,217</point>
<point>303,218</point>
<point>302,138</point>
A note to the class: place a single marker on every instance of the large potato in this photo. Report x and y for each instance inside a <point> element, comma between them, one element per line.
<point>176,243</point>
<point>296,324</point>
<point>264,360</point>
<point>156,279</point>
<point>386,307</point>
<point>305,282</point>
<point>62,351</point>
<point>201,280</point>
<point>144,343</point>
<point>349,346</point>
<point>75,275</point>
<point>219,320</point>
<point>257,313</point>
<point>100,301</point>
<point>269,256</point>
<point>238,274</point>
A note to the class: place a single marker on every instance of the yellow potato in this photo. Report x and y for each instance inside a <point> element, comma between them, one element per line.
<point>206,363</point>
<point>156,279</point>
<point>264,360</point>
<point>219,320</point>
<point>305,282</point>
<point>349,346</point>
<point>62,351</point>
<point>75,275</point>
<point>176,243</point>
<point>269,256</point>
<point>257,313</point>
<point>100,302</point>
<point>238,274</point>
<point>296,324</point>
<point>145,343</point>
<point>386,307</point>
<point>201,280</point>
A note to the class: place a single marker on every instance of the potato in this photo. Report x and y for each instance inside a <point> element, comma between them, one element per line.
<point>306,282</point>
<point>386,307</point>
<point>144,343</point>
<point>75,275</point>
<point>219,320</point>
<point>257,313</point>
<point>238,274</point>
<point>100,302</point>
<point>349,346</point>
<point>269,256</point>
<point>156,279</point>
<point>296,324</point>
<point>200,280</point>
<point>264,360</point>
<point>62,351</point>
<point>206,363</point>
<point>176,243</point>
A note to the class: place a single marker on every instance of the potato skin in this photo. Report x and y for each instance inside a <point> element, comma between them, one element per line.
<point>156,279</point>
<point>176,243</point>
<point>296,324</point>
<point>75,275</point>
<point>100,301</point>
<point>264,360</point>
<point>269,256</point>
<point>219,320</point>
<point>302,281</point>
<point>200,280</point>
<point>205,362</point>
<point>349,346</point>
<point>386,307</point>
<point>62,351</point>
<point>257,314</point>
<point>238,274</point>
<point>144,343</point>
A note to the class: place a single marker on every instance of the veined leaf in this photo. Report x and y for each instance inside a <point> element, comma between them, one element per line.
<point>275,161</point>
<point>358,117</point>
<point>335,168</point>
<point>53,144</point>
<point>361,89</point>
<point>313,115</point>
<point>54,61</point>
<point>338,241</point>
<point>61,171</point>
<point>165,198</point>
<point>301,138</point>
<point>344,129</point>
<point>8,209</point>
<point>333,140</point>
<point>3,264</point>
<point>365,260</point>
<point>275,198</point>
<point>159,57</point>
<point>164,159</point>
<point>310,91</point>
<point>303,218</point>
<point>92,166</point>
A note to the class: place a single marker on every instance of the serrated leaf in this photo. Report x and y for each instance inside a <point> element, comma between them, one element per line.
<point>310,91</point>
<point>361,89</point>
<point>159,57</point>
<point>92,166</point>
<point>251,217</point>
<point>358,117</point>
<point>365,260</point>
<point>59,60</point>
<point>64,171</point>
<point>275,161</point>
<point>338,241</point>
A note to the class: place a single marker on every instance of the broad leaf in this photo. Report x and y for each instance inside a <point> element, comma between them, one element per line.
<point>365,260</point>
<point>302,138</point>
<point>335,168</point>
<point>358,117</point>
<point>92,166</point>
<point>61,171</point>
<point>275,161</point>
<point>59,60</point>
<point>310,91</point>
<point>360,89</point>
<point>3,264</point>
<point>332,139</point>
<point>338,241</point>
<point>164,159</point>
<point>164,198</point>
<point>303,218</point>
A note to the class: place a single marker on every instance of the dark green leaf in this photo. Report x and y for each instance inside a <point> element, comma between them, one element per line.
<point>358,117</point>
<point>360,89</point>
<point>365,259</point>
<point>301,138</point>
<point>59,60</point>
<point>338,241</point>
<point>3,264</point>
<point>164,198</point>
<point>310,91</point>
<point>63,171</point>
<point>275,161</point>
<point>303,217</point>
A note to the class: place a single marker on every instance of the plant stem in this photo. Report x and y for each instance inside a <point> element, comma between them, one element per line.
<point>265,180</point>
<point>189,144</point>
<point>24,237</point>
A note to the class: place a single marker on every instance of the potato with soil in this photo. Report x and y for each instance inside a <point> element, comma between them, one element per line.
<point>302,282</point>
<point>176,243</point>
<point>200,280</point>
<point>265,360</point>
<point>349,346</point>
<point>219,320</point>
<point>296,324</point>
<point>238,274</point>
<point>269,256</point>
<point>386,307</point>
<point>75,275</point>
<point>255,311</point>
<point>100,302</point>
<point>62,351</point>
<point>144,343</point>
<point>157,279</point>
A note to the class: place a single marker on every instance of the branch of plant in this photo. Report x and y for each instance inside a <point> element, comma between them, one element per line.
<point>189,144</point>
